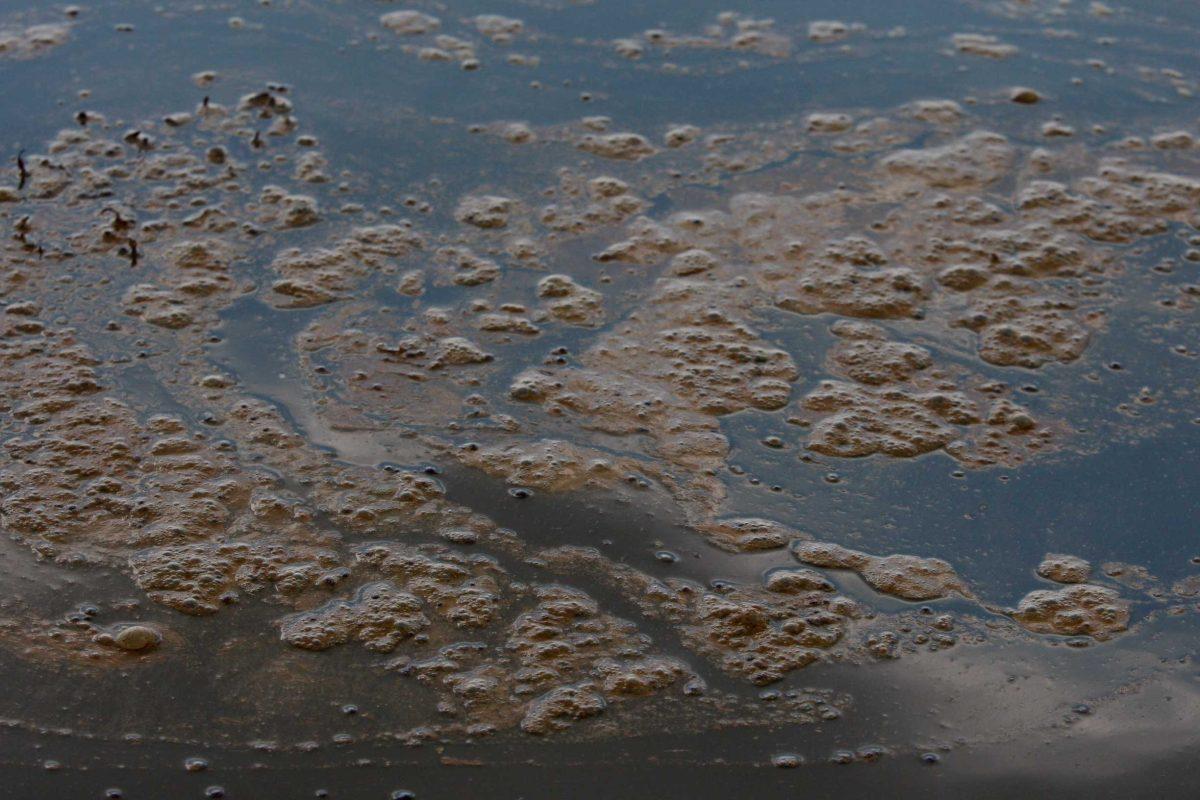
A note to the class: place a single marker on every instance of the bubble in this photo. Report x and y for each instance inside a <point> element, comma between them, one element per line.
<point>1024,95</point>
<point>137,637</point>
<point>787,761</point>
<point>871,753</point>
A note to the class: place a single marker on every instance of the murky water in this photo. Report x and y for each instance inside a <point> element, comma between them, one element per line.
<point>526,399</point>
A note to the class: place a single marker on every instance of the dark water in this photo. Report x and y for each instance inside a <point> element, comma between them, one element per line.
<point>1005,712</point>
